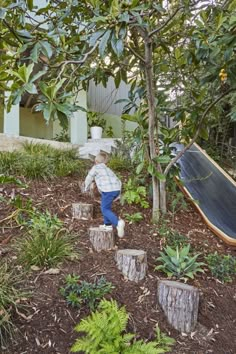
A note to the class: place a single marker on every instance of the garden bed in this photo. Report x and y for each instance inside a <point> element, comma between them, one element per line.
<point>48,324</point>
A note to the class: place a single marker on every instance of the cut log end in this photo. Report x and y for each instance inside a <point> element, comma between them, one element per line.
<point>180,304</point>
<point>132,263</point>
<point>101,239</point>
<point>82,211</point>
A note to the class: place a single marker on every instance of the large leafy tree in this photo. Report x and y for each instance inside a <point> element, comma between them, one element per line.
<point>171,53</point>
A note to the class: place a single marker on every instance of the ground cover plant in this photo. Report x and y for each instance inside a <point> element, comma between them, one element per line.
<point>222,267</point>
<point>80,292</point>
<point>41,161</point>
<point>11,300</point>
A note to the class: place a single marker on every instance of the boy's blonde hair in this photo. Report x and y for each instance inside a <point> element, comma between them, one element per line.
<point>101,158</point>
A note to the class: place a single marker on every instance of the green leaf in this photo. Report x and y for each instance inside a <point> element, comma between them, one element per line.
<point>46,49</point>
<point>30,4</point>
<point>163,159</point>
<point>140,167</point>
<point>103,43</point>
<point>2,13</point>
<point>31,88</point>
<point>115,8</point>
<point>117,79</point>
<point>117,45</point>
<point>94,37</point>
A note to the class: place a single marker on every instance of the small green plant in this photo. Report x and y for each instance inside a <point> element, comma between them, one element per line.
<point>95,119</point>
<point>104,333</point>
<point>119,163</point>
<point>134,217</point>
<point>222,267</point>
<point>10,300</point>
<point>171,237</point>
<point>134,194</point>
<point>63,136</point>
<point>109,132</point>
<point>46,242</point>
<point>178,263</point>
<point>78,293</point>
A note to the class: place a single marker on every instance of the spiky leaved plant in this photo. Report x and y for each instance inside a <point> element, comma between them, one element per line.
<point>178,263</point>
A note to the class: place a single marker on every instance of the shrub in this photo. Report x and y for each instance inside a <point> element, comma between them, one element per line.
<point>78,293</point>
<point>41,161</point>
<point>46,243</point>
<point>222,267</point>
<point>10,297</point>
<point>104,333</point>
<point>177,263</point>
<point>119,163</point>
<point>172,238</point>
<point>134,194</point>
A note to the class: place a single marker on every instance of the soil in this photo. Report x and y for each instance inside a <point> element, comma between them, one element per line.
<point>48,325</point>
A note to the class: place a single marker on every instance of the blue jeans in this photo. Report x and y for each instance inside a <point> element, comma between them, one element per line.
<point>106,204</point>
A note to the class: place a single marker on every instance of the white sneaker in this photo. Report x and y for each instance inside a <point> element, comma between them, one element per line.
<point>121,228</point>
<point>105,227</point>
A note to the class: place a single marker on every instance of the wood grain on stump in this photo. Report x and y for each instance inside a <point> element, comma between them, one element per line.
<point>180,304</point>
<point>101,239</point>
<point>82,211</point>
<point>132,263</point>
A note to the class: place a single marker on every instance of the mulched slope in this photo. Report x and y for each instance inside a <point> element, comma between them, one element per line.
<point>49,326</point>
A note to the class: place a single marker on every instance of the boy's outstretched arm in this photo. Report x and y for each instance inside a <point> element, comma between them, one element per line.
<point>89,179</point>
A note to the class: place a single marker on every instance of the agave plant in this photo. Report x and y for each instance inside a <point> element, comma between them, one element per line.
<point>178,263</point>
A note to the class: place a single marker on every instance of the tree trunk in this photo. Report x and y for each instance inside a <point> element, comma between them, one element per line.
<point>82,211</point>
<point>132,263</point>
<point>101,239</point>
<point>152,123</point>
<point>163,205</point>
<point>180,304</point>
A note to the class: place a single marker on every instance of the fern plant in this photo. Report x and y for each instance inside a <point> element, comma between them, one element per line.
<point>178,263</point>
<point>104,334</point>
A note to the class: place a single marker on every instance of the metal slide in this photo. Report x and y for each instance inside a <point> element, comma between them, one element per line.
<point>212,191</point>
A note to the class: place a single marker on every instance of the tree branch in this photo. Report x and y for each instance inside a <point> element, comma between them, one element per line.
<point>165,23</point>
<point>12,31</point>
<point>177,157</point>
<point>82,61</point>
<point>135,53</point>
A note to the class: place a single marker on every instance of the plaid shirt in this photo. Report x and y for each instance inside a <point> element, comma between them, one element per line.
<point>104,177</point>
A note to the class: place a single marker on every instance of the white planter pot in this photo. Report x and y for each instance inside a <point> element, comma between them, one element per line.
<point>96,132</point>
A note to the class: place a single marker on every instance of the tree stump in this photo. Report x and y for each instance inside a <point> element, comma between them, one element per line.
<point>101,239</point>
<point>82,211</point>
<point>180,304</point>
<point>132,263</point>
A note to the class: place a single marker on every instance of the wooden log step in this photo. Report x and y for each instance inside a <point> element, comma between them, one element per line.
<point>180,304</point>
<point>82,211</point>
<point>132,263</point>
<point>101,239</point>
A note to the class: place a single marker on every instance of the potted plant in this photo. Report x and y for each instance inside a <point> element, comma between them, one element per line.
<point>96,124</point>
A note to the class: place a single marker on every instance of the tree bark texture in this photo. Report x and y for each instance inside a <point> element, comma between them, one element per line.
<point>152,123</point>
<point>82,211</point>
<point>132,263</point>
<point>101,239</point>
<point>180,304</point>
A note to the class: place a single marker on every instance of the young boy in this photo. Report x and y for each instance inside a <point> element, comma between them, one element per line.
<point>109,186</point>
